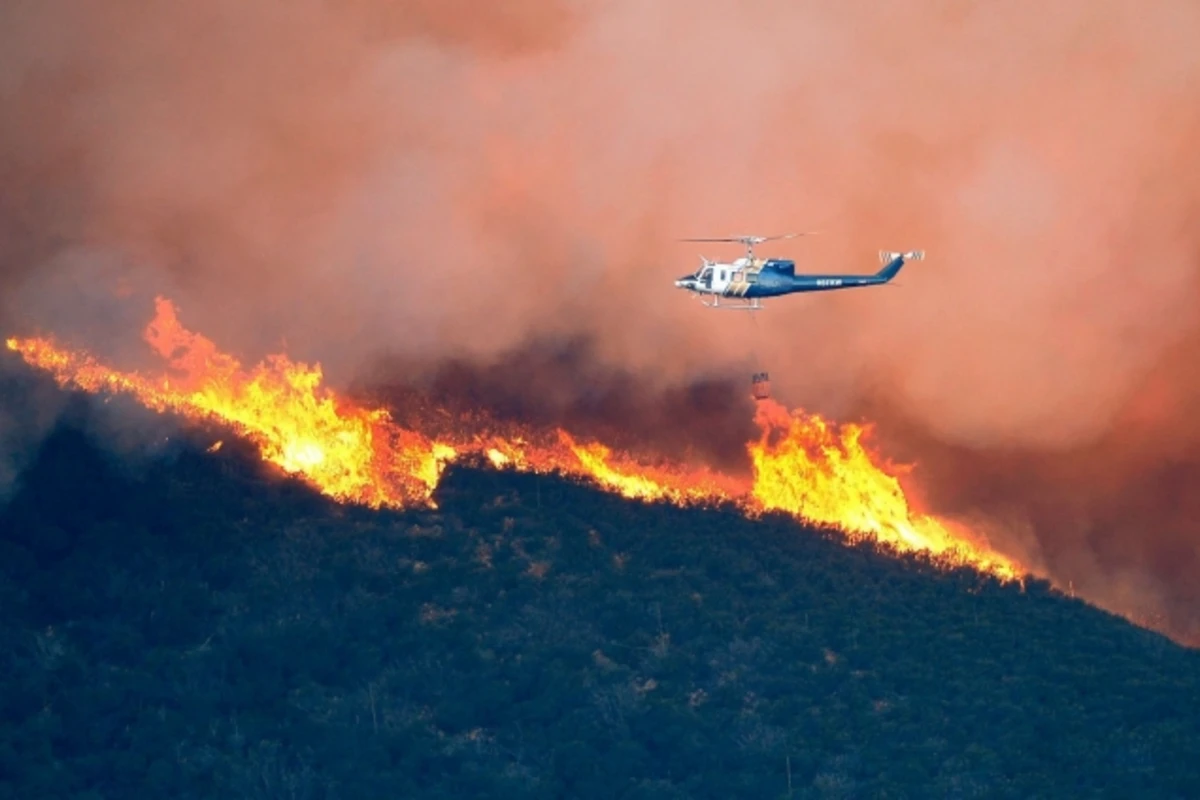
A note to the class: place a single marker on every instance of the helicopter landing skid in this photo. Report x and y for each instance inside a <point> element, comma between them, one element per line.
<point>752,305</point>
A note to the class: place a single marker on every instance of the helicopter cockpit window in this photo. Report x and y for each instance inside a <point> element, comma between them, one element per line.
<point>706,276</point>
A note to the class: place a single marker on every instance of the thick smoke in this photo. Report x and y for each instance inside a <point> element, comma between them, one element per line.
<point>442,182</point>
<point>562,383</point>
<point>1115,520</point>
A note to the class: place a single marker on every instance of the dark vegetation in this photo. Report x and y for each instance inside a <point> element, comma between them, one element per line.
<point>183,624</point>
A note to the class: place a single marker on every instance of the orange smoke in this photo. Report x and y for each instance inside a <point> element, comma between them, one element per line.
<point>803,465</point>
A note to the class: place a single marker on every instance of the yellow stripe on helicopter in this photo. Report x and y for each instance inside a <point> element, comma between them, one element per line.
<point>744,278</point>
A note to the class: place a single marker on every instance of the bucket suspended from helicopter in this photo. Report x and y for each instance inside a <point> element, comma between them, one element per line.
<point>761,385</point>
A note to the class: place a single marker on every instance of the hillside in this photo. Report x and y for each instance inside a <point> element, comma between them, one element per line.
<point>186,624</point>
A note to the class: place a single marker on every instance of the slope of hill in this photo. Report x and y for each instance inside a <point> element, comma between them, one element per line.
<point>183,624</point>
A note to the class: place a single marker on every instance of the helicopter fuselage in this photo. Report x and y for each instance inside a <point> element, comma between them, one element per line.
<point>769,277</point>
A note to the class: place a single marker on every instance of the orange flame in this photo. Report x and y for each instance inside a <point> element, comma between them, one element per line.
<point>827,477</point>
<point>350,453</point>
<point>802,464</point>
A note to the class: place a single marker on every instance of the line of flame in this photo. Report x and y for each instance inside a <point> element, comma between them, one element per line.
<point>802,464</point>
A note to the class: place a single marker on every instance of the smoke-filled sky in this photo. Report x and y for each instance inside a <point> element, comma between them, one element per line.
<point>429,179</point>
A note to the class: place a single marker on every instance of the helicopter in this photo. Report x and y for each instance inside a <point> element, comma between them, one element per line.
<point>747,280</point>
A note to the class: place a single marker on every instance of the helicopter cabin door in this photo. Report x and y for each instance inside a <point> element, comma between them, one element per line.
<point>722,277</point>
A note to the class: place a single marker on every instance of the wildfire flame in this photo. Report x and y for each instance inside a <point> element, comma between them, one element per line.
<point>802,464</point>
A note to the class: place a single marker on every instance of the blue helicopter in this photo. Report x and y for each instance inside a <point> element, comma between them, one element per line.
<point>747,280</point>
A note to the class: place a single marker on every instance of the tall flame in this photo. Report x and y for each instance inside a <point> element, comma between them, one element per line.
<point>806,467</point>
<point>802,464</point>
<point>348,452</point>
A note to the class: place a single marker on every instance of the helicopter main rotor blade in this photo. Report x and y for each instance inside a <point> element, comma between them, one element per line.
<point>761,239</point>
<point>750,239</point>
